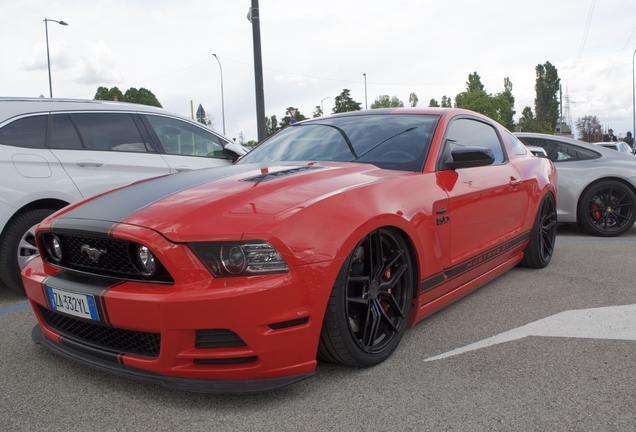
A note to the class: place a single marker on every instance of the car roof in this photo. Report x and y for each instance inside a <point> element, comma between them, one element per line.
<point>13,106</point>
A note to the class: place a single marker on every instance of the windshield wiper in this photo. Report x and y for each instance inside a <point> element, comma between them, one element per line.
<point>382,142</point>
<point>344,135</point>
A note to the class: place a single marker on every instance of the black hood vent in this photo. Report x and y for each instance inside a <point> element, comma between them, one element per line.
<point>278,174</point>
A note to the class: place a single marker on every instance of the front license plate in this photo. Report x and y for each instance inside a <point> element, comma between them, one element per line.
<point>79,305</point>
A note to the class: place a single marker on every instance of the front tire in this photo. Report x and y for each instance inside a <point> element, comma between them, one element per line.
<point>539,251</point>
<point>17,247</point>
<point>607,209</point>
<point>370,302</point>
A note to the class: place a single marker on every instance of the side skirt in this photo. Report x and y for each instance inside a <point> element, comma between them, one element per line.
<point>427,309</point>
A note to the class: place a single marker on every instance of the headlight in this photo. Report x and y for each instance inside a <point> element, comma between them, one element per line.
<point>146,261</point>
<point>240,258</point>
<point>53,246</point>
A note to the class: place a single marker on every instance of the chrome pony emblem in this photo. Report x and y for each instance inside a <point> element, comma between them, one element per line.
<point>93,253</point>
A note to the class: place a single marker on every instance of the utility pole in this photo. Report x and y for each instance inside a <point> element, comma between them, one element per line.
<point>254,17</point>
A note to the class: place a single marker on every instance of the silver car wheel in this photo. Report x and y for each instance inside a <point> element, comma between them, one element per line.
<point>27,249</point>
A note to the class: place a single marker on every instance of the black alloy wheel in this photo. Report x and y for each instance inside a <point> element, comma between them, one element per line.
<point>370,302</point>
<point>607,209</point>
<point>539,251</point>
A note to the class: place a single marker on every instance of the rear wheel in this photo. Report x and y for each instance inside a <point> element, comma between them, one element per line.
<point>17,246</point>
<point>607,209</point>
<point>539,251</point>
<point>370,302</point>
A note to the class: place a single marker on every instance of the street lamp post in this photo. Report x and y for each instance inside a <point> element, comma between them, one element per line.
<point>322,108</point>
<point>222,99</point>
<point>633,97</point>
<point>48,57</point>
<point>365,90</point>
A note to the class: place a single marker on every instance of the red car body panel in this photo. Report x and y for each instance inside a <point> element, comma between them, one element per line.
<point>463,231</point>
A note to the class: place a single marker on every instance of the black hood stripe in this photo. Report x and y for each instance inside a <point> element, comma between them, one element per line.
<point>124,203</point>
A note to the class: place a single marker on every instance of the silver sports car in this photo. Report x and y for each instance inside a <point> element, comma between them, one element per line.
<point>597,185</point>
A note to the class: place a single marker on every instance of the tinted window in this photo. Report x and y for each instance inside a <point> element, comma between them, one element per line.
<point>473,133</point>
<point>29,132</point>
<point>517,146</point>
<point>63,134</point>
<point>109,132</point>
<point>181,138</point>
<point>559,151</point>
<point>387,141</point>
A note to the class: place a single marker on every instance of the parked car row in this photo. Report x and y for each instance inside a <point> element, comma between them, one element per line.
<point>54,152</point>
<point>327,241</point>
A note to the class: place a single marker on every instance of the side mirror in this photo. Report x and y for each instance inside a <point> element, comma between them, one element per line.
<point>468,157</point>
<point>233,151</point>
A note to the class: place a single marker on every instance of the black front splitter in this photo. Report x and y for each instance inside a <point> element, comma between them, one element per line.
<point>187,384</point>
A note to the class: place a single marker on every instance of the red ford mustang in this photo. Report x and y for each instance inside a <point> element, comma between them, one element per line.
<point>326,241</point>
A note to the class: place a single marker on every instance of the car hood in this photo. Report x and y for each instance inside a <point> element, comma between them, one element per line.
<point>223,203</point>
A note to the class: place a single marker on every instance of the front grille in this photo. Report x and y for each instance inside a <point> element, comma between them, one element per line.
<point>102,337</point>
<point>115,258</point>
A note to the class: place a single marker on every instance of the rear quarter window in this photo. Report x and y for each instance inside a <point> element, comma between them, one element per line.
<point>560,151</point>
<point>28,132</point>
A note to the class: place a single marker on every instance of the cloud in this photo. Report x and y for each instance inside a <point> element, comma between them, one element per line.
<point>59,52</point>
<point>96,65</point>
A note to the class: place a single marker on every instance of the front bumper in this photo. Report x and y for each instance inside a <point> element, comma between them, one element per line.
<point>276,319</point>
<point>189,384</point>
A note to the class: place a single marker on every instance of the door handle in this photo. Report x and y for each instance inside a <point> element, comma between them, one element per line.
<point>183,168</point>
<point>89,163</point>
<point>515,182</point>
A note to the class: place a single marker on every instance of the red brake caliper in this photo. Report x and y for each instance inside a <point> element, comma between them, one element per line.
<point>385,277</point>
<point>595,214</point>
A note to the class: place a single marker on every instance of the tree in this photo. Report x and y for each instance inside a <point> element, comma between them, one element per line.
<point>384,101</point>
<point>344,103</point>
<point>105,94</point>
<point>546,103</point>
<point>140,96</point>
<point>271,125</point>
<point>527,122</point>
<point>474,83</point>
<point>413,100</point>
<point>589,128</point>
<point>318,112</point>
<point>433,103</point>
<point>241,138</point>
<point>446,102</point>
<point>499,107</point>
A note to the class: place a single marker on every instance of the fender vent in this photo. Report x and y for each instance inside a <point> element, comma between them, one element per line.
<point>279,174</point>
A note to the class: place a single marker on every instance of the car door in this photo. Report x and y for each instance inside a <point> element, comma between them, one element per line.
<point>486,204</point>
<point>109,151</point>
<point>185,146</point>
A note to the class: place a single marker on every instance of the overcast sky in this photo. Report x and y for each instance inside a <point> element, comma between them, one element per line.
<point>312,50</point>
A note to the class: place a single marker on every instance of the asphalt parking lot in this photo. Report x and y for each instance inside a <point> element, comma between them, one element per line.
<point>509,362</point>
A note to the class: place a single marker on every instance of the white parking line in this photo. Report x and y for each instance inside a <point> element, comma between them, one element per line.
<point>612,322</point>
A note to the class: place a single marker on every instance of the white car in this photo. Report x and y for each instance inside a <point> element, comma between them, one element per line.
<point>597,186</point>
<point>618,146</point>
<point>54,152</point>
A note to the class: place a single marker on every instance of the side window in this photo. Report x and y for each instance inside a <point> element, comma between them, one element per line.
<point>28,132</point>
<point>473,133</point>
<point>63,134</point>
<point>109,132</point>
<point>560,151</point>
<point>181,138</point>
<point>517,146</point>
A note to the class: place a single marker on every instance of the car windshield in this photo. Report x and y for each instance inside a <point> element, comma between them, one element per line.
<point>393,141</point>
